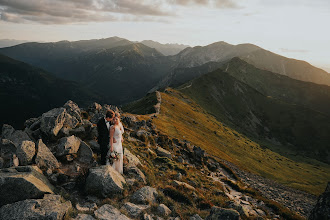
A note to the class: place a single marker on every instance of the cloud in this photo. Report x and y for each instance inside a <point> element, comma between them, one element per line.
<point>74,11</point>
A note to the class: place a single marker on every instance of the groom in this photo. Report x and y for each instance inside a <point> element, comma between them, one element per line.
<point>103,126</point>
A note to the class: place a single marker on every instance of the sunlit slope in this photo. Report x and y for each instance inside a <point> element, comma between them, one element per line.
<point>182,118</point>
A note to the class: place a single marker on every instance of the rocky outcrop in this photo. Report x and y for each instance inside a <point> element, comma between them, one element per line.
<point>221,213</point>
<point>25,152</point>
<point>145,195</point>
<point>104,181</point>
<point>45,158</point>
<point>107,212</point>
<point>21,183</point>
<point>68,145</point>
<point>51,207</point>
<point>322,207</point>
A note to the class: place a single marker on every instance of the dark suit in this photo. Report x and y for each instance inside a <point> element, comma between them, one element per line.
<point>103,139</point>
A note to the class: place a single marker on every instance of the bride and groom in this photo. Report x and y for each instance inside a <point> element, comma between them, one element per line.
<point>110,140</point>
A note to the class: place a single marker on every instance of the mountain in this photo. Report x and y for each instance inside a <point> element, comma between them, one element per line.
<point>262,117</point>
<point>166,49</point>
<point>10,42</point>
<point>260,58</point>
<point>27,91</point>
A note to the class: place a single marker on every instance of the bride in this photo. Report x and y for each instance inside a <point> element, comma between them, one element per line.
<point>116,148</point>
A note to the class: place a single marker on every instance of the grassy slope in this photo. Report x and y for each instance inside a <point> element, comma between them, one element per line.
<point>183,119</point>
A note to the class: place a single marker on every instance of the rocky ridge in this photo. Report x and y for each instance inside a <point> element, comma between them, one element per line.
<point>55,158</point>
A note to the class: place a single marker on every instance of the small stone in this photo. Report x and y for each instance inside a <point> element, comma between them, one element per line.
<point>134,210</point>
<point>145,195</point>
<point>221,213</point>
<point>107,212</point>
<point>195,217</point>
<point>163,153</point>
<point>84,217</point>
<point>163,210</point>
<point>182,184</point>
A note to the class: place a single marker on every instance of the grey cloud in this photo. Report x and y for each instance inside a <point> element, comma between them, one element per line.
<point>74,11</point>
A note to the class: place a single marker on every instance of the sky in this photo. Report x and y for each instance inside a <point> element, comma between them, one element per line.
<point>292,28</point>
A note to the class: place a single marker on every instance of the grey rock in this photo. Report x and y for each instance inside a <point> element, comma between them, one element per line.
<point>94,108</point>
<point>104,181</point>
<point>183,184</point>
<point>132,159</point>
<point>7,131</point>
<point>28,123</point>
<point>107,212</point>
<point>129,120</point>
<point>195,217</point>
<point>25,152</point>
<point>73,110</point>
<point>322,207</point>
<point>52,121</point>
<point>221,213</point>
<point>163,153</point>
<point>145,195</point>
<point>146,217</point>
<point>21,183</point>
<point>95,146</point>
<point>68,145</point>
<point>242,209</point>
<point>136,173</point>
<point>85,153</point>
<point>45,158</point>
<point>163,210</point>
<point>2,163</point>
<point>70,121</point>
<point>84,217</point>
<point>7,148</point>
<point>78,131</point>
<point>18,136</point>
<point>134,210</point>
<point>50,207</point>
<point>96,117</point>
<point>86,207</point>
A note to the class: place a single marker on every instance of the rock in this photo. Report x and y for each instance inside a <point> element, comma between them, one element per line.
<point>107,212</point>
<point>45,158</point>
<point>195,217</point>
<point>68,145</point>
<point>142,135</point>
<point>7,131</point>
<point>322,207</point>
<point>145,195</point>
<point>221,213</point>
<point>50,207</point>
<point>70,121</point>
<point>84,217</point>
<point>2,163</point>
<point>104,181</point>
<point>96,117</point>
<point>182,184</point>
<point>21,183</point>
<point>7,148</point>
<point>86,207</point>
<point>134,210</point>
<point>146,217</point>
<point>136,173</point>
<point>163,210</point>
<point>25,152</point>
<point>52,121</point>
<point>28,123</point>
<point>95,146</point>
<point>129,120</point>
<point>199,153</point>
<point>85,153</point>
<point>18,136</point>
<point>94,108</point>
<point>73,110</point>
<point>132,159</point>
<point>242,209</point>
<point>163,153</point>
<point>79,132</point>
<point>178,176</point>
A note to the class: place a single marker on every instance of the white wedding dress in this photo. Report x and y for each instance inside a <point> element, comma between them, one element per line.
<point>117,147</point>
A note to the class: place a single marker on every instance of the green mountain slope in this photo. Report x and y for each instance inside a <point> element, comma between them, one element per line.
<point>27,91</point>
<point>293,127</point>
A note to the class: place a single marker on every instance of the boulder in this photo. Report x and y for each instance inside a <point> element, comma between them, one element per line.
<point>17,137</point>
<point>70,121</point>
<point>84,217</point>
<point>32,121</point>
<point>2,163</point>
<point>86,207</point>
<point>96,117</point>
<point>25,182</point>
<point>95,146</point>
<point>104,181</point>
<point>52,121</point>
<point>107,212</point>
<point>85,153</point>
<point>68,145</point>
<point>145,195</point>
<point>45,158</point>
<point>322,207</point>
<point>221,213</point>
<point>129,120</point>
<point>7,148</point>
<point>142,135</point>
<point>163,210</point>
<point>94,108</point>
<point>51,207</point>
<point>78,131</point>
<point>163,153</point>
<point>183,184</point>
<point>25,152</point>
<point>242,209</point>
<point>134,210</point>
<point>136,173</point>
<point>132,159</point>
<point>7,131</point>
<point>73,110</point>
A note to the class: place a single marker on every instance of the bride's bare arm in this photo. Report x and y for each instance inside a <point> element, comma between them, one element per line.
<point>112,131</point>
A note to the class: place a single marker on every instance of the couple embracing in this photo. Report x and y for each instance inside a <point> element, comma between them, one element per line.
<point>110,140</point>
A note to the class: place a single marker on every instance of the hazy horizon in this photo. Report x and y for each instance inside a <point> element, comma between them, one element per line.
<point>290,28</point>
